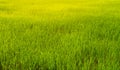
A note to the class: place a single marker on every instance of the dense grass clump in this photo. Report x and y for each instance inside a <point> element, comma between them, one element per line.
<point>73,45</point>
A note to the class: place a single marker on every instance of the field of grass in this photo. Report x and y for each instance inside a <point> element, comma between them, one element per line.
<point>59,35</point>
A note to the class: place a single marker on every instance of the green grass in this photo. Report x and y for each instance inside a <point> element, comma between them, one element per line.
<point>73,38</point>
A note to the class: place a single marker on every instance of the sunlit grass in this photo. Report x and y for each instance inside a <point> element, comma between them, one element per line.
<point>24,7</point>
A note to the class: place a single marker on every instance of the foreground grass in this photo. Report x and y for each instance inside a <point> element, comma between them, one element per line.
<point>68,39</point>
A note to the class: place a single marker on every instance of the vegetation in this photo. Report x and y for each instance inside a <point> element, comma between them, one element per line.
<point>59,35</point>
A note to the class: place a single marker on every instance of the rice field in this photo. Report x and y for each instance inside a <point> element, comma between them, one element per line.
<point>59,35</point>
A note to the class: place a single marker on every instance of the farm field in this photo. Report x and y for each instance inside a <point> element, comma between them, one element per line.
<point>59,35</point>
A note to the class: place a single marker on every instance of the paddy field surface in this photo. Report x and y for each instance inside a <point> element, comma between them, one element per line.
<point>59,35</point>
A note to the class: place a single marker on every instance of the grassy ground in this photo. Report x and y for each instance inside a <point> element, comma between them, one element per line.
<point>59,35</point>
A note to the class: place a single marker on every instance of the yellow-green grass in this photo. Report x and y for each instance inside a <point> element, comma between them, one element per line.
<point>59,35</point>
